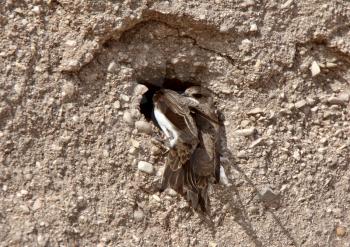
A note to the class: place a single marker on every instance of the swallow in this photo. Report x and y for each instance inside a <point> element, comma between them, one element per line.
<point>205,160</point>
<point>173,115</point>
<point>191,124</point>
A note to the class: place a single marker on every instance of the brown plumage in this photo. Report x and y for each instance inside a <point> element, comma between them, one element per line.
<point>205,160</point>
<point>173,116</point>
<point>191,124</point>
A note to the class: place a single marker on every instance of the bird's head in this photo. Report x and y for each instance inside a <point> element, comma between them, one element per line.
<point>199,93</point>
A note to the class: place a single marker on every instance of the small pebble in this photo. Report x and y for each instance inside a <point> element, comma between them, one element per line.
<point>135,143</point>
<point>246,44</point>
<point>315,69</point>
<point>71,43</point>
<point>340,231</point>
<point>287,4</point>
<point>296,155</point>
<point>116,105</point>
<point>257,142</point>
<point>156,198</point>
<point>145,167</point>
<point>138,215</point>
<point>128,118</point>
<point>125,98</point>
<point>331,65</point>
<point>245,123</point>
<point>171,192</point>
<point>68,90</point>
<point>112,67</point>
<point>248,3</point>
<point>143,126</point>
<point>268,195</point>
<point>155,150</point>
<point>242,154</point>
<point>300,104</point>
<point>37,204</point>
<point>246,132</point>
<point>24,192</point>
<point>36,10</point>
<point>132,150</point>
<point>223,178</point>
<point>255,111</point>
<point>42,240</point>
<point>140,90</point>
<point>25,209</point>
<point>253,27</point>
<point>212,244</point>
<point>340,99</point>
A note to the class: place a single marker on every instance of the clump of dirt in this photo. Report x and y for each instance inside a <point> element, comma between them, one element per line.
<point>72,132</point>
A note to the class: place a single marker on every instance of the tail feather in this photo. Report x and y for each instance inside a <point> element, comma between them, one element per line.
<point>173,179</point>
<point>189,185</point>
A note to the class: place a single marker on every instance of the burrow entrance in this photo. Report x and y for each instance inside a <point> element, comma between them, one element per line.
<point>146,103</point>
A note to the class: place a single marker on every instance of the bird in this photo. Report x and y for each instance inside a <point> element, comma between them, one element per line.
<point>205,160</point>
<point>190,123</point>
<point>173,115</point>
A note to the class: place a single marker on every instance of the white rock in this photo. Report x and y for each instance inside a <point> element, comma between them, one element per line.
<point>246,44</point>
<point>340,99</point>
<point>300,104</point>
<point>287,4</point>
<point>246,132</point>
<point>68,90</point>
<point>253,27</point>
<point>138,215</point>
<point>140,90</point>
<point>24,192</point>
<point>112,67</point>
<point>128,118</point>
<point>315,68</point>
<point>135,143</point>
<point>116,104</point>
<point>145,167</point>
<point>257,142</point>
<point>248,3</point>
<point>223,178</point>
<point>155,150</point>
<point>37,205</point>
<point>71,43</point>
<point>171,192</point>
<point>296,155</point>
<point>125,98</point>
<point>132,150</point>
<point>242,154</point>
<point>256,110</point>
<point>143,126</point>
<point>36,9</point>
<point>331,65</point>
<point>25,209</point>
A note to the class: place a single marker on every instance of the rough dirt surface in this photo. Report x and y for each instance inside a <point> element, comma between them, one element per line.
<point>72,136</point>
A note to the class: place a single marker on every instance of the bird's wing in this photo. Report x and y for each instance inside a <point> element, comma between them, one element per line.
<point>178,156</point>
<point>178,113</point>
<point>205,111</point>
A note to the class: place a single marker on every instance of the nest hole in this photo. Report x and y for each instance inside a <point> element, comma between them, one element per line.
<point>146,104</point>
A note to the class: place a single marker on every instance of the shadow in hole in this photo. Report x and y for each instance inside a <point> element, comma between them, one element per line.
<point>146,104</point>
<point>237,206</point>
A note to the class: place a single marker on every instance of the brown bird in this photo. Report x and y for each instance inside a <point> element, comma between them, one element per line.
<point>191,124</point>
<point>205,160</point>
<point>172,112</point>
